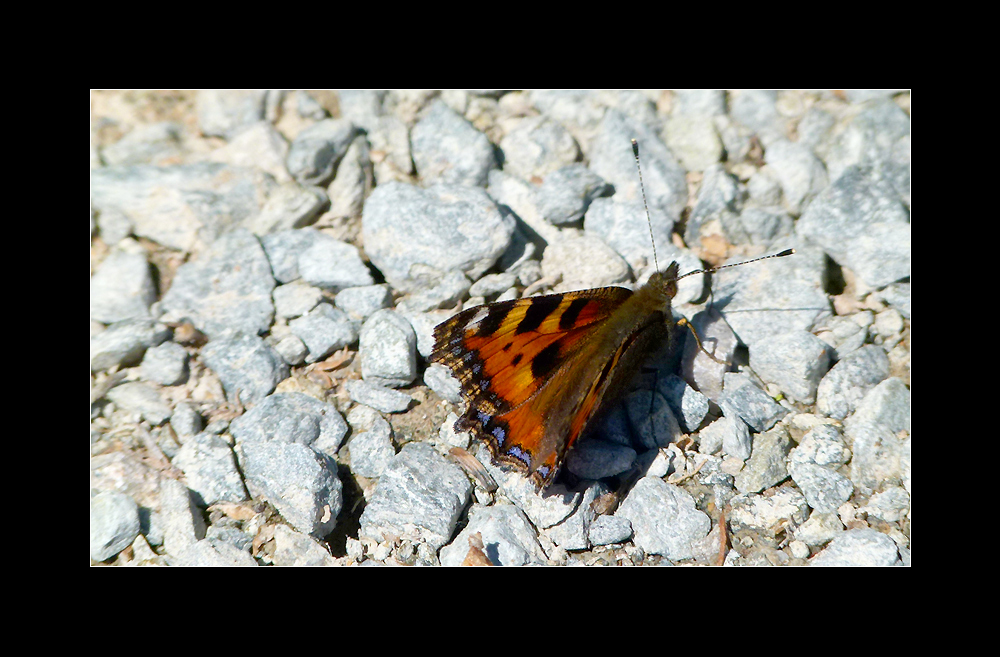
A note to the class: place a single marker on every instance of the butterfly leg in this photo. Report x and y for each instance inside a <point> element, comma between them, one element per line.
<point>683,322</point>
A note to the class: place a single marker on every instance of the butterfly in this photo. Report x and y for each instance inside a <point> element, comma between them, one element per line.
<point>535,371</point>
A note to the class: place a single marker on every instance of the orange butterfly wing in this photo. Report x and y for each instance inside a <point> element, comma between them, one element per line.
<point>519,363</point>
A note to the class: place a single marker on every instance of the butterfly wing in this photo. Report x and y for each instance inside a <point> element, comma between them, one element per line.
<point>524,365</point>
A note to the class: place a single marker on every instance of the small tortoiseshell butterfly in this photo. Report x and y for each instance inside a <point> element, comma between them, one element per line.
<point>535,371</point>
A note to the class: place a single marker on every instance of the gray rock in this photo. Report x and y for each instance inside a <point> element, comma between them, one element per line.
<point>451,438</point>
<point>768,515</point>
<point>223,112</point>
<point>450,290</point>
<point>185,420</point>
<point>236,537</point>
<point>858,547</point>
<point>210,469</point>
<point>508,538</point>
<point>363,107</point>
<point>333,265</point>
<point>825,490</point>
<point>141,397</point>
<point>775,296</point>
<point>699,102</point>
<point>448,149</point>
<point>155,143</point>
<point>371,451</point>
<point>756,109</point>
<point>292,350</point>
<point>861,222</point>
<point>583,261</point>
<point>316,152</point>
<point>753,405</point>
<point>606,530</point>
<point>573,532</point>
<point>690,406</point>
<point>596,459</point>
<point>211,553</point>
<point>881,457</point>
<point>183,523</point>
<point>184,207</point>
<point>891,505</point>
<point>801,173</point>
<point>766,466</point>
<point>694,140</point>
<point>720,201</point>
<point>123,288</point>
<point>873,138</point>
<point>545,508</point>
<point>443,227</point>
<point>581,111</point>
<point>565,194</point>
<point>114,225</point>
<point>227,290</point>
<point>324,330</point>
<point>362,302</point>
<point>711,437</point>
<point>391,136</point>
<point>819,529</point>
<point>289,206</point>
<point>114,524</point>
<point>815,126</point>
<point>663,177</point>
<point>284,248</point>
<point>292,548</point>
<point>293,417</point>
<point>353,181</point>
<point>388,350</point>
<point>845,334</point>
<point>301,483</point>
<point>257,146</point>
<point>846,384</point>
<point>439,379</point>
<point>756,225</point>
<point>537,146</point>
<point>651,419</point>
<point>124,344</point>
<point>623,226</point>
<point>822,445</point>
<point>248,367</point>
<point>794,361</point>
<point>736,440</point>
<point>664,518</point>
<point>419,495</point>
<point>897,295</point>
<point>886,405</point>
<point>166,364</point>
<point>718,339</point>
<point>491,285</point>
<point>382,399</point>
<point>295,299</point>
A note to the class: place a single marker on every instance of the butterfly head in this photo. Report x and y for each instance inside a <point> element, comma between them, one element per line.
<point>664,283</point>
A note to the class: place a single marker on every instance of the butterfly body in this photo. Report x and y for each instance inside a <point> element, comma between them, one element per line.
<point>535,372</point>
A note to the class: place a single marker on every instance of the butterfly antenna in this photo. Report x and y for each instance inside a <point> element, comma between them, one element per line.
<point>786,252</point>
<point>635,151</point>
